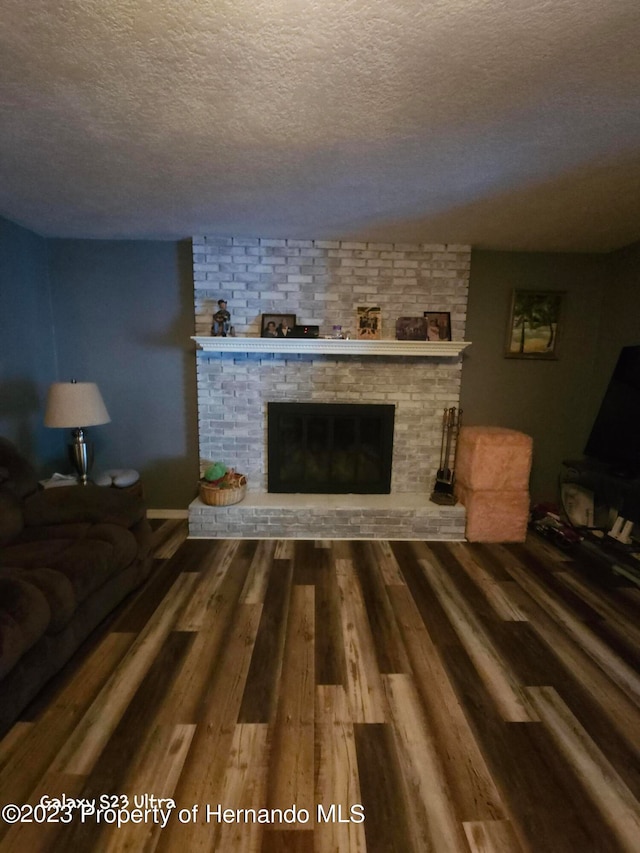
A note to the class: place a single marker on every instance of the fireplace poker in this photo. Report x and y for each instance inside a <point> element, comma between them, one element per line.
<point>443,489</point>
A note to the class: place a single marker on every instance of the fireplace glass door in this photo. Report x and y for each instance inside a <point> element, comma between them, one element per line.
<point>330,448</point>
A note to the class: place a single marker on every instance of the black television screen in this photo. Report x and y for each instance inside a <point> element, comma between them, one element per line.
<point>615,437</point>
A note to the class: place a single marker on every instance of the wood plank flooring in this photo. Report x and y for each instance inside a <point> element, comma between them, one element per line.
<point>343,696</point>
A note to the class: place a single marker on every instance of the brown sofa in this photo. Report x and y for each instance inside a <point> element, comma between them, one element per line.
<point>68,556</point>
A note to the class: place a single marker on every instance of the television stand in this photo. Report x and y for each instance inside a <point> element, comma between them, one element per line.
<point>610,527</point>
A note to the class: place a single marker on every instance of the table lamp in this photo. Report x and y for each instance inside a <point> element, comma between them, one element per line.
<point>77,405</point>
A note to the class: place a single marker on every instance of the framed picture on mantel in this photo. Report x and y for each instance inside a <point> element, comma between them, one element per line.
<point>438,325</point>
<point>368,323</point>
<point>411,329</point>
<point>534,324</point>
<point>277,325</point>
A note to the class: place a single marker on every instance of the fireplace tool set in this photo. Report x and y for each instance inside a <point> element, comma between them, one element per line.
<point>443,489</point>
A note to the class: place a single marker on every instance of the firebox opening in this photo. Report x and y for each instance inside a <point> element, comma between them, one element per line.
<point>330,448</point>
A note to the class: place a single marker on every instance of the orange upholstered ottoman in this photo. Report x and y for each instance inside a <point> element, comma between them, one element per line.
<point>494,516</point>
<point>493,458</point>
<point>492,481</point>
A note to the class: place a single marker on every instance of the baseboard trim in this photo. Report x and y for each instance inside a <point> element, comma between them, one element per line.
<point>167,513</point>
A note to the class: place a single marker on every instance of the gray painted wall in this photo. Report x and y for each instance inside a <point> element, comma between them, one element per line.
<point>620,318</point>
<point>123,314</point>
<point>27,341</point>
<point>549,400</point>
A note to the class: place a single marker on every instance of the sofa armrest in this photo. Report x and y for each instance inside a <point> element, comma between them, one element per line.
<point>93,504</point>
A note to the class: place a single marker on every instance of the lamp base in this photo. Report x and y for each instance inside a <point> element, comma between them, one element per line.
<point>81,455</point>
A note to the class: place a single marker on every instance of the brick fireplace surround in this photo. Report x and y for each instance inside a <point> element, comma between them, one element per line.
<point>322,282</point>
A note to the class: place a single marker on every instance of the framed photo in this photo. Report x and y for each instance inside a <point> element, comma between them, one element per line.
<point>411,329</point>
<point>438,325</point>
<point>368,323</point>
<point>534,324</point>
<point>277,325</point>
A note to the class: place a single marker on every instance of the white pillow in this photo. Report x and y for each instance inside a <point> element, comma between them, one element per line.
<point>120,477</point>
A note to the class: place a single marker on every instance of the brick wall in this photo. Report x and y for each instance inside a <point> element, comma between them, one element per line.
<point>323,282</point>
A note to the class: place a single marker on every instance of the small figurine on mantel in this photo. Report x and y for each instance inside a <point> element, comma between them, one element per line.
<point>221,326</point>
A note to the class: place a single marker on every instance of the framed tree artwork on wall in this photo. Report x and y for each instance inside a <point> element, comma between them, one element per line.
<point>534,324</point>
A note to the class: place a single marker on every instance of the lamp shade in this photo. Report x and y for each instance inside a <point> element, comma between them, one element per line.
<point>75,404</point>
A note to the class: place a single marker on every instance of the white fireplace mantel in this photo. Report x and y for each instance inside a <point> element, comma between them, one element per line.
<point>333,346</point>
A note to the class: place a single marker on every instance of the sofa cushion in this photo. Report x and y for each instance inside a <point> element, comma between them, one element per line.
<point>87,563</point>
<point>56,589</point>
<point>55,531</point>
<point>11,522</point>
<point>69,504</point>
<point>24,618</point>
<point>123,542</point>
<point>19,477</point>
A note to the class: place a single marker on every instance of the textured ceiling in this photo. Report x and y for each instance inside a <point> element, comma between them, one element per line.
<point>507,124</point>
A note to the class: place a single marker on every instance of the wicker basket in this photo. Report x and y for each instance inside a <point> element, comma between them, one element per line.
<point>215,496</point>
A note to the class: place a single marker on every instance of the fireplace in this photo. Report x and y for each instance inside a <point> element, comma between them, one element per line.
<point>330,448</point>
<point>319,281</point>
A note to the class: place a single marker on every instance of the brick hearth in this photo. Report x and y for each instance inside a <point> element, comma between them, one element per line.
<point>402,516</point>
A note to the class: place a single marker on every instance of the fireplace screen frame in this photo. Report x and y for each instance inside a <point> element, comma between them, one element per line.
<point>276,453</point>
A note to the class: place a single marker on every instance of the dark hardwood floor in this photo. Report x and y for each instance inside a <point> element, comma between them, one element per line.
<point>342,696</point>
